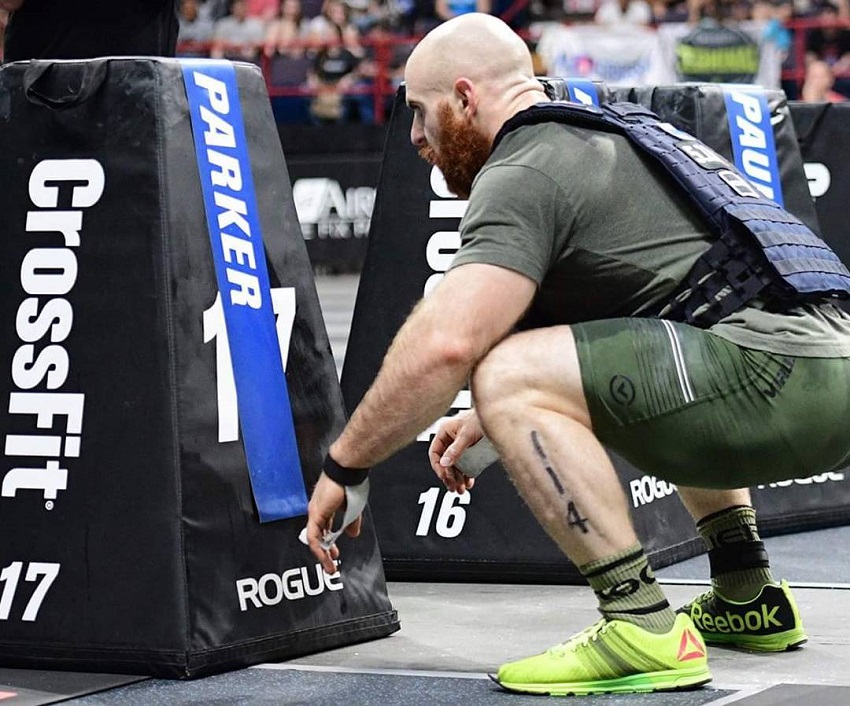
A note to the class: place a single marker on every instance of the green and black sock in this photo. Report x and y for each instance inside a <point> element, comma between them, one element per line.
<point>627,590</point>
<point>739,563</point>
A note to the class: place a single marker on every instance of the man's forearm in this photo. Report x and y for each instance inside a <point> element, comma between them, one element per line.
<point>431,358</point>
<point>416,384</point>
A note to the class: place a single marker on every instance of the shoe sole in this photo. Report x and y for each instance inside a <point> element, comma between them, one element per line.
<point>673,680</point>
<point>783,642</point>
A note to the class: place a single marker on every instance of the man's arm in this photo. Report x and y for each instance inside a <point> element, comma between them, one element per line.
<point>472,308</point>
<point>10,5</point>
<point>431,358</point>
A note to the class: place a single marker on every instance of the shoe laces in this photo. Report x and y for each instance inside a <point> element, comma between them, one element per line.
<point>581,639</point>
<point>704,597</point>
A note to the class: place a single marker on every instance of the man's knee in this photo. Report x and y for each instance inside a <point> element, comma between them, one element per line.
<point>533,369</point>
<point>499,375</point>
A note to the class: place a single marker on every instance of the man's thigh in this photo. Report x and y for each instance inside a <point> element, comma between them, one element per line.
<point>696,409</point>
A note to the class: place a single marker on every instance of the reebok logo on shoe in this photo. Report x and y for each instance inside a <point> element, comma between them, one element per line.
<point>761,619</point>
<point>690,647</point>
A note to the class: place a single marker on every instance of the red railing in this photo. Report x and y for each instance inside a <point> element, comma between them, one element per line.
<point>796,71</point>
<point>377,84</point>
<point>380,86</point>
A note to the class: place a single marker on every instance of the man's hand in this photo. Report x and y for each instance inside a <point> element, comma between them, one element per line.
<point>454,436</point>
<point>328,498</point>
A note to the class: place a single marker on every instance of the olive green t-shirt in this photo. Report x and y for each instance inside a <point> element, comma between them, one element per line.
<point>604,233</point>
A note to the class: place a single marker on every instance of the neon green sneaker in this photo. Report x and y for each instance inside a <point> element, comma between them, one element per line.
<point>613,657</point>
<point>768,623</point>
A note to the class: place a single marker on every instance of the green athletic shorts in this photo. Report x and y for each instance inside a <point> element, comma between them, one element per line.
<point>695,409</point>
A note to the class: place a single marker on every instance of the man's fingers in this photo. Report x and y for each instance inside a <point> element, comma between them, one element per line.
<point>452,439</point>
<point>327,500</point>
<point>434,459</point>
<point>437,449</point>
<point>447,460</point>
<point>439,444</point>
<point>315,534</point>
<point>460,483</point>
<point>467,436</point>
<point>453,451</point>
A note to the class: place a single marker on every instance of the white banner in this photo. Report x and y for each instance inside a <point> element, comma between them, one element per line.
<point>770,58</point>
<point>634,56</point>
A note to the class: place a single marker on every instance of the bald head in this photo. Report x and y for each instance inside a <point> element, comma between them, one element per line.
<point>478,66</point>
<point>464,80</point>
<point>475,46</point>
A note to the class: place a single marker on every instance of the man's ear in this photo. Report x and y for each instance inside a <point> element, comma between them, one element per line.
<point>467,96</point>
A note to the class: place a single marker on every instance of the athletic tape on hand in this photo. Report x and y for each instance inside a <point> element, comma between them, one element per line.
<point>476,458</point>
<point>355,502</point>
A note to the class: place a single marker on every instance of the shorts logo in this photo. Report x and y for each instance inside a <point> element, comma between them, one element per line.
<point>622,390</point>
<point>786,367</point>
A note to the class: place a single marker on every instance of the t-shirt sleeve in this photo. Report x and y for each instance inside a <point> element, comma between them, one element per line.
<point>516,218</point>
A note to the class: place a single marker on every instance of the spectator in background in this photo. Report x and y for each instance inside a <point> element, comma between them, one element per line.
<point>702,9</point>
<point>818,84</point>
<point>363,14</point>
<point>842,5</point>
<point>739,10</point>
<point>718,11</point>
<point>238,36</point>
<point>425,16</point>
<point>214,10</point>
<point>669,11</point>
<point>396,16</point>
<point>446,9</point>
<point>333,73</point>
<point>334,68</point>
<point>368,73</point>
<point>399,16</point>
<point>196,31</point>
<point>333,26</point>
<point>831,42</point>
<point>287,33</point>
<point>631,12</point>
<point>717,49</point>
<point>265,10</point>
<point>775,14</point>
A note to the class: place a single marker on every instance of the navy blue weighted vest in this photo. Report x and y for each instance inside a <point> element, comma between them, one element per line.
<point>761,249</point>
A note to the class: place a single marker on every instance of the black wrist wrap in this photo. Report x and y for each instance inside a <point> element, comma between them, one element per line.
<point>341,474</point>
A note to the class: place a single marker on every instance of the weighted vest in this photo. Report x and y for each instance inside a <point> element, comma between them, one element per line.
<point>760,248</point>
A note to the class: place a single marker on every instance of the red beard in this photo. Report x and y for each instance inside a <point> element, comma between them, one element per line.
<point>463,151</point>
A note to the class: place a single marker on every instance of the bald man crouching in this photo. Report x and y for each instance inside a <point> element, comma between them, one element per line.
<point>583,264</point>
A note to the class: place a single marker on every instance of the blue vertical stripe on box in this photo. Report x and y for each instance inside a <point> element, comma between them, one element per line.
<point>753,145</point>
<point>265,414</point>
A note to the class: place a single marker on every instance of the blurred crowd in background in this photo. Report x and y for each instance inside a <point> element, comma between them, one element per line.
<point>329,61</point>
<point>332,52</point>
